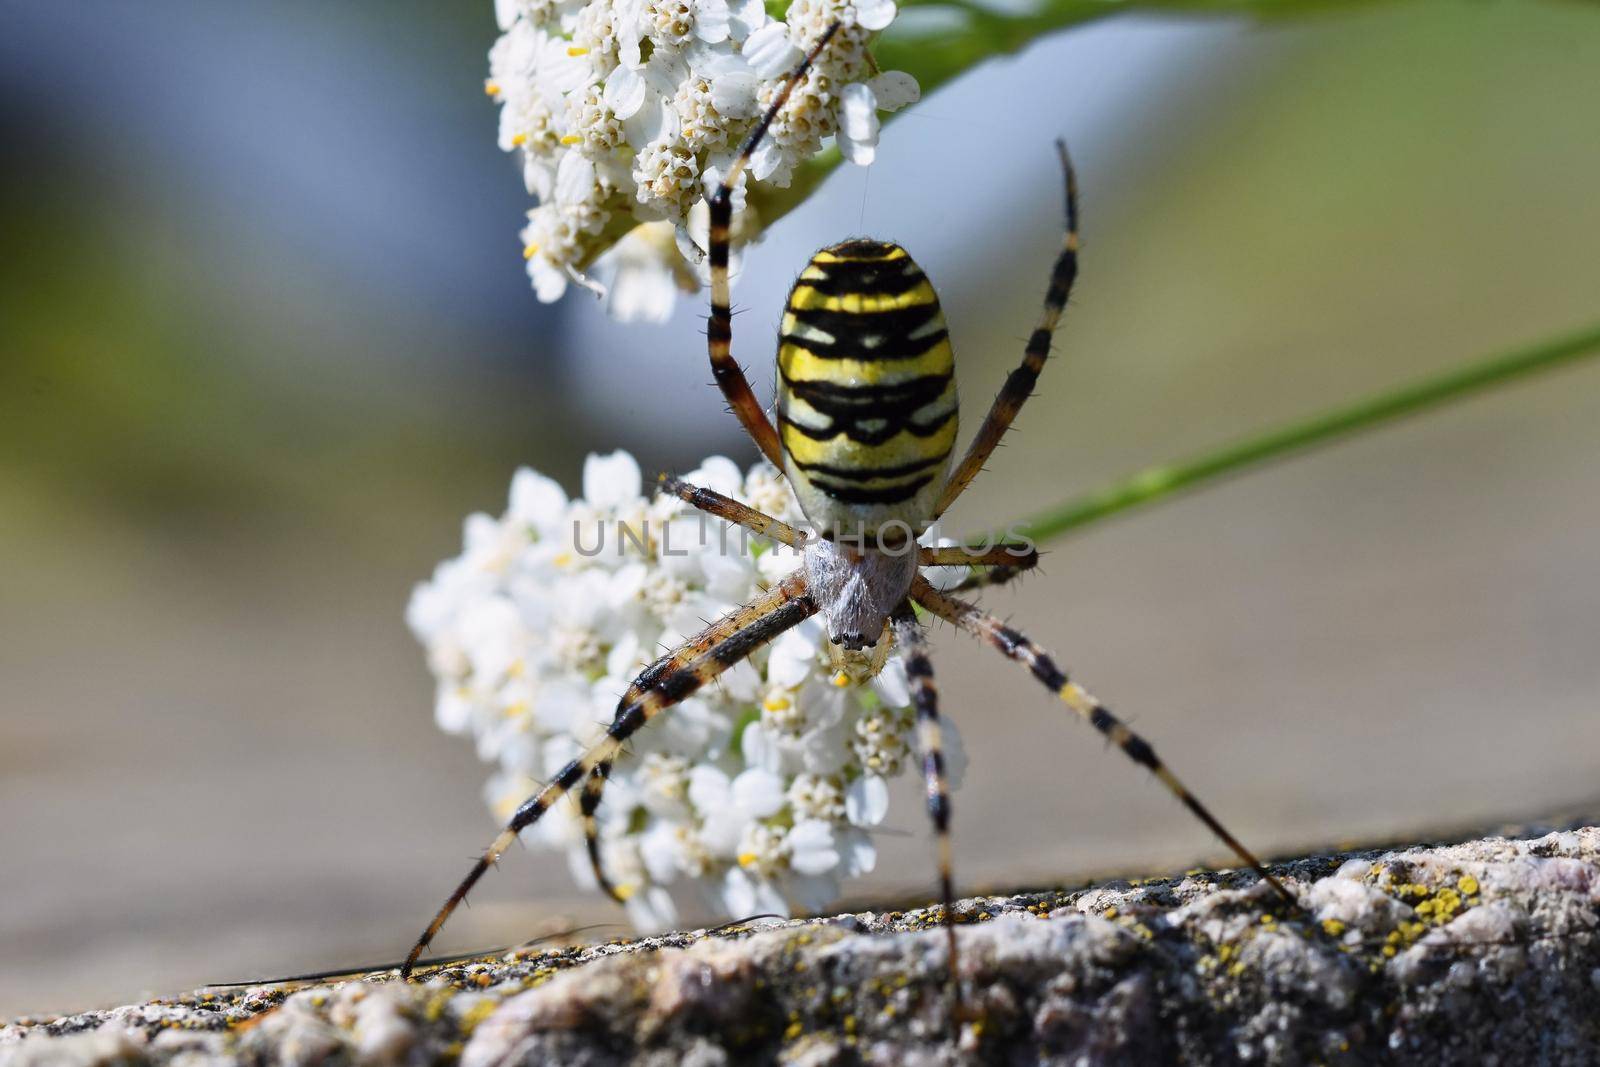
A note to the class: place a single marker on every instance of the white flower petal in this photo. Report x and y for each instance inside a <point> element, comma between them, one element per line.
<point>866,802</point>
<point>891,684</point>
<point>642,296</point>
<point>711,18</point>
<point>742,682</point>
<point>708,788</point>
<point>720,833</point>
<point>770,52</point>
<point>719,474</point>
<point>758,792</point>
<point>747,16</point>
<point>624,92</point>
<point>574,178</point>
<point>793,659</point>
<point>772,164</point>
<point>760,748</point>
<point>639,280</point>
<point>858,123</point>
<point>536,500</point>
<point>548,283</point>
<point>538,176</point>
<point>612,480</point>
<point>744,895</point>
<point>857,854</point>
<point>734,95</point>
<point>452,711</point>
<point>778,562</point>
<point>811,847</point>
<point>874,14</point>
<point>895,89</point>
<point>660,850</point>
<point>654,121</point>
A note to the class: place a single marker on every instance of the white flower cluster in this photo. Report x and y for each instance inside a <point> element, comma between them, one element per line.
<point>754,795</point>
<point>622,111</point>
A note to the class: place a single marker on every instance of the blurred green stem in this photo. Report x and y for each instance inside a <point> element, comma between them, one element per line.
<point>1156,483</point>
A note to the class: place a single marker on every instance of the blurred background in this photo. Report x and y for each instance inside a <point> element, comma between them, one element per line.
<point>265,340</point>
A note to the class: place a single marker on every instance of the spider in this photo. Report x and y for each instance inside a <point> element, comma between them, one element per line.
<point>866,427</point>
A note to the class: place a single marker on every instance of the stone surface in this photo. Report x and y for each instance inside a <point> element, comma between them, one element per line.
<point>1486,951</point>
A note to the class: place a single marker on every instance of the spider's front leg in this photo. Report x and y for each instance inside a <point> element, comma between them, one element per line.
<point>663,684</point>
<point>1017,646</point>
<point>1019,384</point>
<point>729,376</point>
<point>714,503</point>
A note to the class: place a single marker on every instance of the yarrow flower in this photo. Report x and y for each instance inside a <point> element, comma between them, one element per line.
<point>757,794</point>
<point>622,112</point>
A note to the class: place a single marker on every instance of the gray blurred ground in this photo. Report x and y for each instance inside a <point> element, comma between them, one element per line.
<point>1389,636</point>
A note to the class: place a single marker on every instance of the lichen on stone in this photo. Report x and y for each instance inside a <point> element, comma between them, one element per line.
<point>1473,952</point>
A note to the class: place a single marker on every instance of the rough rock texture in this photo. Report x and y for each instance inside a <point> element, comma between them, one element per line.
<point>1482,952</point>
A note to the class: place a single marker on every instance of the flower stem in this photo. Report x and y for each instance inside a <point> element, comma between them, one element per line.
<point>1155,483</point>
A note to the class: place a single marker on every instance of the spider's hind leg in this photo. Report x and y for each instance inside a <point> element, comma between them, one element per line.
<point>1018,647</point>
<point>996,565</point>
<point>593,790</point>
<point>722,507</point>
<point>665,683</point>
<point>925,698</point>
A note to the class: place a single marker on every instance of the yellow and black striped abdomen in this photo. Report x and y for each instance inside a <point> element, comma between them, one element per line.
<point>866,390</point>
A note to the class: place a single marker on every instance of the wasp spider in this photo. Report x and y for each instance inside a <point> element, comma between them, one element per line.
<point>866,424</point>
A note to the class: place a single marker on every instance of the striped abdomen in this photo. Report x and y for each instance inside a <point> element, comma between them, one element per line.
<point>866,389</point>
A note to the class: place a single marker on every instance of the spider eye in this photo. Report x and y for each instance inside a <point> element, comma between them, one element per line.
<point>854,640</point>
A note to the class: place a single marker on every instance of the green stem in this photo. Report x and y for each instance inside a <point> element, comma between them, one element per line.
<point>1155,483</point>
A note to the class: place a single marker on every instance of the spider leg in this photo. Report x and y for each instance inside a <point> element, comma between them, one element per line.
<point>595,784</point>
<point>719,329</point>
<point>1017,556</point>
<point>714,503</point>
<point>660,687</point>
<point>1003,563</point>
<point>925,697</point>
<point>1018,647</point>
<point>1019,385</point>
<point>993,576</point>
<point>588,803</point>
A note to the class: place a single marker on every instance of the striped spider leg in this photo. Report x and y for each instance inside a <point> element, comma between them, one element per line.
<point>930,739</point>
<point>669,681</point>
<point>715,504</point>
<point>1017,646</point>
<point>719,328</point>
<point>1019,384</point>
<point>997,565</point>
